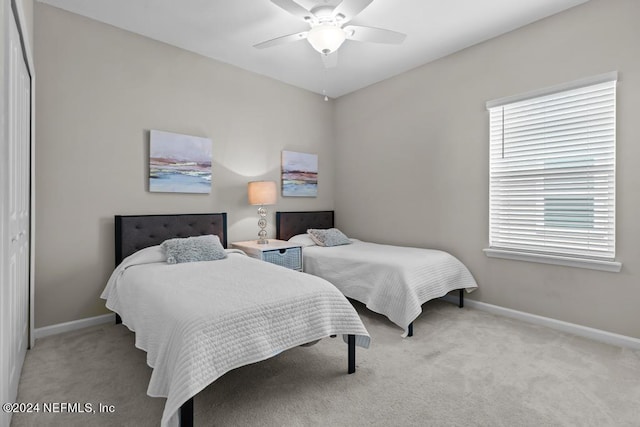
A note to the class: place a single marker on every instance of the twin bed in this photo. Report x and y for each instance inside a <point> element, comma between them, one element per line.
<point>199,320</point>
<point>391,280</point>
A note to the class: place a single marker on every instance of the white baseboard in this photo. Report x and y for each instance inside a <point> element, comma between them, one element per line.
<point>572,328</point>
<point>74,325</point>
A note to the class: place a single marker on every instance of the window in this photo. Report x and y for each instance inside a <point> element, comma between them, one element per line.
<point>552,175</point>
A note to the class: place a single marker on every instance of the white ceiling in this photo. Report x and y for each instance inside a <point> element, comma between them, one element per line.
<point>227,30</point>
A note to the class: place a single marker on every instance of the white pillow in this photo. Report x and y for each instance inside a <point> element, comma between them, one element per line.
<point>329,237</point>
<point>303,240</point>
<point>191,249</point>
<point>146,255</point>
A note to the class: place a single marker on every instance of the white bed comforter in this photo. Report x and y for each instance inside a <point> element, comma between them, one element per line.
<point>390,280</point>
<point>199,320</point>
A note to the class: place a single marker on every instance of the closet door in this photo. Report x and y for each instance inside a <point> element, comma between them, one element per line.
<point>16,217</point>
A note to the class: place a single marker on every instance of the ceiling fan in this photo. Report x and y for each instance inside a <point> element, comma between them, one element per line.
<point>328,30</point>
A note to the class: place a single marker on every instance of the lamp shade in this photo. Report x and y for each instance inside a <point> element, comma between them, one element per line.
<point>326,38</point>
<point>262,193</point>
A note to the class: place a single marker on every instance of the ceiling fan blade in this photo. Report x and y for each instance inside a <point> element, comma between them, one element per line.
<point>375,35</point>
<point>331,60</point>
<point>282,40</point>
<point>348,9</point>
<point>294,8</point>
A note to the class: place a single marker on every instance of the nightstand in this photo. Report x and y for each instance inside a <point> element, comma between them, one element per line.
<point>277,252</point>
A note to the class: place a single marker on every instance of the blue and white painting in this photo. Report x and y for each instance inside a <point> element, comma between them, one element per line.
<point>179,163</point>
<point>299,174</point>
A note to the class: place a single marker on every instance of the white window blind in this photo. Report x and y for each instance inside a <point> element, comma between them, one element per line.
<point>552,173</point>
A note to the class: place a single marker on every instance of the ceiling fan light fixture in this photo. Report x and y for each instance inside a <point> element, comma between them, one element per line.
<point>326,38</point>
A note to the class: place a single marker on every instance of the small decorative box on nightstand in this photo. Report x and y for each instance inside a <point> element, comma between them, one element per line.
<point>277,252</point>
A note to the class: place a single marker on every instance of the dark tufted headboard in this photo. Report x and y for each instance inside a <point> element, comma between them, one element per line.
<point>288,224</point>
<point>135,232</point>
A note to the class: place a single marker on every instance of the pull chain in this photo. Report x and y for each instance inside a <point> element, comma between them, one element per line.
<point>324,84</point>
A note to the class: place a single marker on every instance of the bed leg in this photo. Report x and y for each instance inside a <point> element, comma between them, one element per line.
<point>410,330</point>
<point>186,414</point>
<point>461,302</point>
<point>118,319</point>
<point>351,340</point>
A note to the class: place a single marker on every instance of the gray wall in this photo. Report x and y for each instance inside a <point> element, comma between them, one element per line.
<point>99,92</point>
<point>409,156</point>
<point>412,159</point>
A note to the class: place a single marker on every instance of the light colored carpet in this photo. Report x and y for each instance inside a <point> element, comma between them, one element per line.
<point>463,367</point>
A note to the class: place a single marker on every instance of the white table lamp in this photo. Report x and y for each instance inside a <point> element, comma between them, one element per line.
<point>262,193</point>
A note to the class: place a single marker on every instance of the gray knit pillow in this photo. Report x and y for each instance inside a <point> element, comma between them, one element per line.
<point>329,237</point>
<point>200,248</point>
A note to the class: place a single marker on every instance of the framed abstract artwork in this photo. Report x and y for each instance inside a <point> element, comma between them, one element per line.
<point>179,163</point>
<point>299,174</point>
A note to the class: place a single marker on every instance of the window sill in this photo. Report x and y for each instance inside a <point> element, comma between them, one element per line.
<point>610,266</point>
